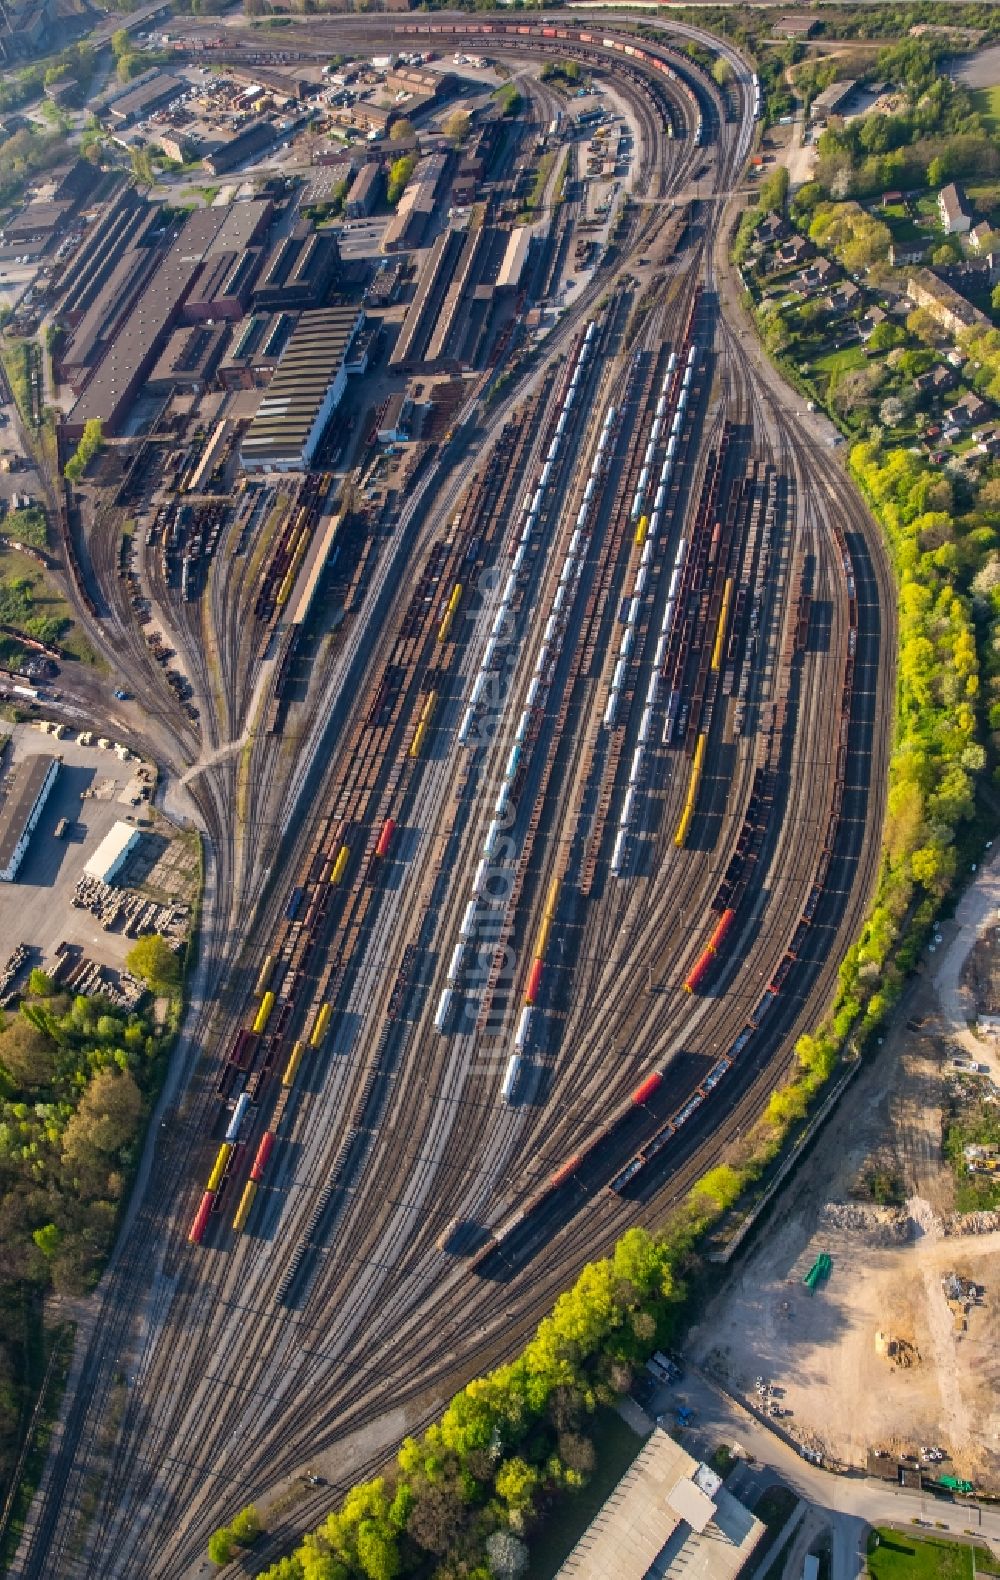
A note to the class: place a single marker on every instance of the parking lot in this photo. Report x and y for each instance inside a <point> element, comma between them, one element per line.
<point>92,792</point>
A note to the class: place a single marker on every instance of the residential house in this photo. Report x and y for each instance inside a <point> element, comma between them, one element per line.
<point>988,441</point>
<point>795,250</point>
<point>820,273</point>
<point>771,229</point>
<point>979,235</point>
<point>936,381</point>
<point>843,298</point>
<point>905,252</point>
<point>969,409</point>
<point>953,311</point>
<point>873,317</point>
<point>955,217</point>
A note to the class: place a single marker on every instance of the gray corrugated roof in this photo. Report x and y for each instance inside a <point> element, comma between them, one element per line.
<point>20,789</point>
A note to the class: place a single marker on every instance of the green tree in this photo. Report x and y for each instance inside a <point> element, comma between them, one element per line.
<point>722,71</point>
<point>399,174</point>
<point>457,126</point>
<point>246,1527</point>
<point>90,444</point>
<point>401,130</point>
<point>120,44</point>
<point>48,1240</point>
<point>221,1547</point>
<point>944,255</point>
<point>152,960</point>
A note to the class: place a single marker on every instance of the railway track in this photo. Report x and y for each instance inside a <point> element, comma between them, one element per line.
<point>264,1387</point>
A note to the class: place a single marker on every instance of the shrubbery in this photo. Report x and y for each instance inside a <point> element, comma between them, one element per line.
<point>460,1500</point>
<point>74,1075</point>
<point>400,172</point>
<point>90,443</point>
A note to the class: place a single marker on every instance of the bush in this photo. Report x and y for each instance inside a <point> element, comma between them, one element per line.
<point>153,961</point>
<point>90,443</point>
<point>399,174</point>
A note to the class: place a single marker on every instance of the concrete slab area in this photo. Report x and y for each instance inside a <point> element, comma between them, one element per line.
<point>36,909</point>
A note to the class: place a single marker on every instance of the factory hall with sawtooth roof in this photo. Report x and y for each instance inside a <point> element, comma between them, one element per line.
<point>304,392</point>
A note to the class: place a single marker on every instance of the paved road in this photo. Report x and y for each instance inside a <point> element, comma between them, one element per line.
<point>849,1504</point>
<point>977,909</point>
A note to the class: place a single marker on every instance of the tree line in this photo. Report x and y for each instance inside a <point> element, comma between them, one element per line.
<point>76,1077</point>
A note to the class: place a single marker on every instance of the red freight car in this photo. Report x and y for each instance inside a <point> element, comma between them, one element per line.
<point>699,971</point>
<point>263,1153</point>
<point>201,1218</point>
<point>534,982</point>
<point>647,1087</point>
<point>722,927</point>
<point>388,829</point>
<point>563,1173</point>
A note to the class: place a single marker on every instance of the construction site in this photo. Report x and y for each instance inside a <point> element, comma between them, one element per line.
<point>863,1319</point>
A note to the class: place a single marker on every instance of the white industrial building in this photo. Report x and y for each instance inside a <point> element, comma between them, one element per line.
<point>669,1517</point>
<point>515,258</point>
<point>111,853</point>
<point>24,793</point>
<point>304,392</point>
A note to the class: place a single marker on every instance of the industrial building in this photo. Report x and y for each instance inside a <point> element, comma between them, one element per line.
<point>303,393</point>
<point>111,854</point>
<point>415,207</point>
<point>395,425</point>
<point>298,272</point>
<point>130,352</point>
<point>188,360</point>
<point>281,83</point>
<point>223,286</point>
<point>255,350</point>
<point>124,224</point>
<point>449,319</point>
<point>154,94</point>
<point>241,147</point>
<point>24,790</point>
<point>431,85</point>
<point>364,191</point>
<point>832,99</point>
<point>668,1516</point>
<point>514,259</point>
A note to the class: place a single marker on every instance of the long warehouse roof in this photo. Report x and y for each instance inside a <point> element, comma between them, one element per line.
<point>309,365</point>
<point>21,789</point>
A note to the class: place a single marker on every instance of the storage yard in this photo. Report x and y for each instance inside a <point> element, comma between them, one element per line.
<point>883,1357</point>
<point>526,671</point>
<point>98,806</point>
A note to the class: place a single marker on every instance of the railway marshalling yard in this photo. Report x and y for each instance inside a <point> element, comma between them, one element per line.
<point>523,873</point>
